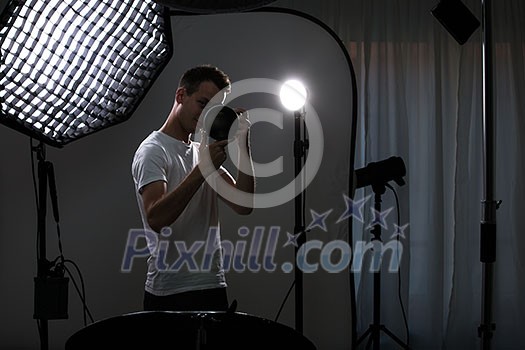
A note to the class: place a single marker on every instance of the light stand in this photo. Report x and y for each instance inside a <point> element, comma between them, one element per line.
<point>377,175</point>
<point>51,287</point>
<point>375,329</point>
<point>489,204</point>
<point>461,23</point>
<point>41,234</point>
<point>293,97</point>
<point>300,147</point>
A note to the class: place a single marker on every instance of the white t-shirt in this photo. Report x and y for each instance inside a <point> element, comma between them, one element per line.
<point>187,257</point>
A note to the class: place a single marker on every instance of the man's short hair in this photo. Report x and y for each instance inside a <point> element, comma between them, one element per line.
<point>193,77</point>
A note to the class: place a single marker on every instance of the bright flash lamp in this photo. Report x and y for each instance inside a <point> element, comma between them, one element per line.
<point>293,95</point>
<point>69,68</point>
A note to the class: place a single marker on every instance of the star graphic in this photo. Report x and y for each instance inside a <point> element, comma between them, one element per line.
<point>292,239</point>
<point>353,208</point>
<point>379,218</point>
<point>318,220</point>
<point>399,231</point>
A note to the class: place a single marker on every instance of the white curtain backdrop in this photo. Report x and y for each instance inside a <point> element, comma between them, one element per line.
<point>420,98</point>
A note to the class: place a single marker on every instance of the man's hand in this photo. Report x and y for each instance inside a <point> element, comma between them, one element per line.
<point>218,152</point>
<point>243,130</point>
<point>212,156</point>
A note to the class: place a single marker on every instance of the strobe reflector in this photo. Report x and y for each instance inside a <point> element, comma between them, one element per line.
<point>69,68</point>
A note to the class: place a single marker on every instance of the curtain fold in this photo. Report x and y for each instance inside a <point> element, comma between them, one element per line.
<point>420,97</point>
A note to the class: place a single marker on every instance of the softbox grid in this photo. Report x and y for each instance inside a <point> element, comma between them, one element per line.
<point>69,68</point>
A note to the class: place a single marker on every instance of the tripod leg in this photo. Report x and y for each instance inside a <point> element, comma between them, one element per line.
<point>394,337</point>
<point>370,341</point>
<point>363,337</point>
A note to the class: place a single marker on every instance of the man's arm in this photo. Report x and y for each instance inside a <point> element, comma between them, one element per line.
<point>163,208</point>
<point>245,180</point>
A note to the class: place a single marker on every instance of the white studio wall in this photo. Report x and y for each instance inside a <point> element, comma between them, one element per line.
<point>98,206</point>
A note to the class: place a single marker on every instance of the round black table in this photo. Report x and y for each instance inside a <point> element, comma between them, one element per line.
<point>187,330</point>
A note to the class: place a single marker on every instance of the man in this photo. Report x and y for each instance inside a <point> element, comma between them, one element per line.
<point>177,201</point>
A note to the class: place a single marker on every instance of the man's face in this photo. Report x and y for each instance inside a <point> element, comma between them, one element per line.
<point>193,105</point>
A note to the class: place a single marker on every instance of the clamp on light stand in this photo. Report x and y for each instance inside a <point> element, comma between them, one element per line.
<point>377,175</point>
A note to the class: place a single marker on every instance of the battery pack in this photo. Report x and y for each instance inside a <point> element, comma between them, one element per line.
<point>51,298</point>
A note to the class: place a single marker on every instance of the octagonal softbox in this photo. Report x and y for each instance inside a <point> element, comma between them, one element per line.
<point>69,68</point>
